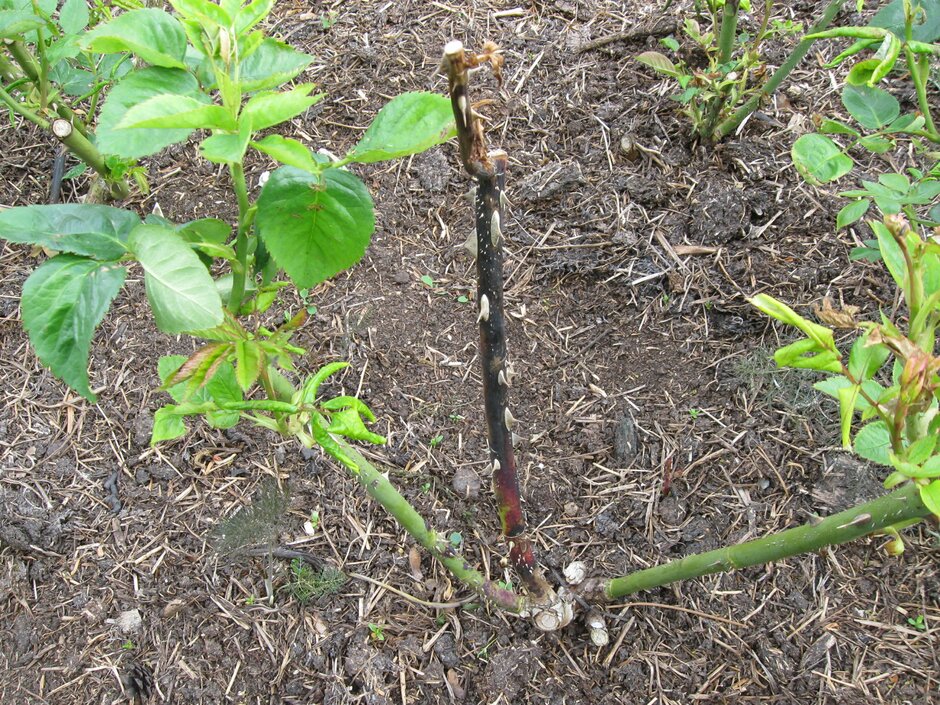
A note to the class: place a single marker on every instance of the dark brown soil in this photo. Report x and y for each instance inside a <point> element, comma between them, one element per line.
<point>653,424</point>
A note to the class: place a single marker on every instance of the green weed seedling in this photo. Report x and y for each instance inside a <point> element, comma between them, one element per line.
<point>305,583</point>
<point>376,632</point>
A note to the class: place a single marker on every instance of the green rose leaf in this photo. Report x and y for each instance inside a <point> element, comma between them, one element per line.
<point>74,16</point>
<point>178,112</point>
<point>223,388</point>
<point>99,232</point>
<point>63,301</point>
<point>181,292</point>
<point>930,496</point>
<point>852,213</point>
<point>920,451</point>
<point>152,34</point>
<point>167,425</point>
<point>248,360</point>
<point>202,10</point>
<point>818,159</point>
<point>226,148</point>
<point>349,402</point>
<point>315,227</point>
<point>14,23</point>
<point>834,127</point>
<point>268,109</point>
<point>136,88</point>
<point>930,468</point>
<point>331,447</point>
<point>891,253</point>
<point>832,385</point>
<point>271,65</point>
<point>821,336</point>
<point>289,152</point>
<point>660,63</point>
<point>871,106</point>
<point>348,423</point>
<point>865,359</point>
<point>251,14</point>
<point>876,144</point>
<point>861,73</point>
<point>873,442</point>
<point>312,385</point>
<point>409,124</point>
<point>906,123</point>
<point>167,366</point>
<point>205,230</point>
<point>891,17</point>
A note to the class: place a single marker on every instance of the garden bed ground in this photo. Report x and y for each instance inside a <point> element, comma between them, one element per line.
<point>652,424</point>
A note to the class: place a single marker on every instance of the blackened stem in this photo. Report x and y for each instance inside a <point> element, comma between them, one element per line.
<point>497,373</point>
<point>489,171</point>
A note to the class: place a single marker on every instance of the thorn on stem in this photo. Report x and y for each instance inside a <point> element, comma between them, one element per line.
<point>484,309</point>
<point>509,419</point>
<point>860,519</point>
<point>496,233</point>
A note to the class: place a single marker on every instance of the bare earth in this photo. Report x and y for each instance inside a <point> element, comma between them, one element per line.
<point>652,422</point>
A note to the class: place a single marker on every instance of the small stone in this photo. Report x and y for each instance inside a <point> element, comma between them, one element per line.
<point>626,441</point>
<point>605,524</point>
<point>628,147</point>
<point>173,608</point>
<point>454,680</point>
<point>466,482</point>
<point>598,629</point>
<point>433,170</point>
<point>161,472</point>
<point>446,650</point>
<point>571,509</point>
<point>129,622</point>
<point>400,277</point>
<point>575,572</point>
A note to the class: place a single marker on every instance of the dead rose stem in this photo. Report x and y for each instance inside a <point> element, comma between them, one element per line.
<point>489,171</point>
<point>901,506</point>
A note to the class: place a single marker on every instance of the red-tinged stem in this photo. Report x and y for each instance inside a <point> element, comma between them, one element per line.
<point>497,373</point>
<point>489,171</point>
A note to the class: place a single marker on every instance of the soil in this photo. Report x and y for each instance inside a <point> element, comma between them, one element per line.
<point>652,424</point>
